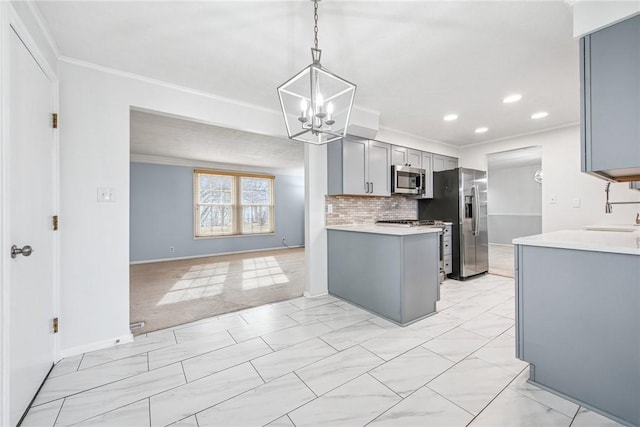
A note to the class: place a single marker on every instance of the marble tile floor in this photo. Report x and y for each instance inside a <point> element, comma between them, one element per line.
<point>315,362</point>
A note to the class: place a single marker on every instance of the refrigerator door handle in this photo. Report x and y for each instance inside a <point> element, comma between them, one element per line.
<point>475,216</point>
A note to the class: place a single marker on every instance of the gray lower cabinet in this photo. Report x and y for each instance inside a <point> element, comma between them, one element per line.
<point>446,250</point>
<point>578,325</point>
<point>610,100</point>
<point>393,276</point>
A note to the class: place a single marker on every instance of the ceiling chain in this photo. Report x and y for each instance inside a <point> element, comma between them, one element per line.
<point>315,27</point>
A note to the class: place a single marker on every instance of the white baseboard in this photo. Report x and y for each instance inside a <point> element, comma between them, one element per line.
<point>149,261</point>
<point>98,345</point>
<point>308,295</point>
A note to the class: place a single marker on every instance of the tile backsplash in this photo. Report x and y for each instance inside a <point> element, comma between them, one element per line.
<point>367,209</point>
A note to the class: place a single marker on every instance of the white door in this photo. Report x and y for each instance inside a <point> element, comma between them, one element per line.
<point>31,201</point>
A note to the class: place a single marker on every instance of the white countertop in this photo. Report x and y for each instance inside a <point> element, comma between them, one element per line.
<point>381,229</point>
<point>622,242</point>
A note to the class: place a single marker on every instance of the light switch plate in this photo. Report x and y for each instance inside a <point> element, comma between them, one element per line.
<point>106,194</point>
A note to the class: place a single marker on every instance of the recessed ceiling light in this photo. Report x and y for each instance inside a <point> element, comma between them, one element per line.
<point>481,130</point>
<point>450,117</point>
<point>512,98</point>
<point>539,115</point>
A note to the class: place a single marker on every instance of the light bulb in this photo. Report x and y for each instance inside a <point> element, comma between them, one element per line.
<point>303,111</point>
<point>319,110</point>
<point>330,120</point>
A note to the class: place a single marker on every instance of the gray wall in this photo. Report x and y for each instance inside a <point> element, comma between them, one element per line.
<point>161,216</point>
<point>514,203</point>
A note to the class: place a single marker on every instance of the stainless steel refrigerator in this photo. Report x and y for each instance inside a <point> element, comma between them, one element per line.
<point>460,197</point>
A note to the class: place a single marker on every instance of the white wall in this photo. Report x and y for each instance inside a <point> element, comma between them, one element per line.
<point>512,190</point>
<point>94,134</point>
<point>563,179</point>
<point>514,202</point>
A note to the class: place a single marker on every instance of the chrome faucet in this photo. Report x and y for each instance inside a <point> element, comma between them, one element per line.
<point>608,204</point>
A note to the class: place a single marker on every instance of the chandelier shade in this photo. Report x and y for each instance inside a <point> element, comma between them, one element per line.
<point>316,103</point>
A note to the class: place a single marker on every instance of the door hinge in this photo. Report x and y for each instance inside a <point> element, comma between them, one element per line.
<point>54,120</point>
<point>54,325</point>
<point>54,222</point>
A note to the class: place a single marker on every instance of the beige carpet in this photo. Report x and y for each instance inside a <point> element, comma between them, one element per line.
<point>171,293</point>
<point>501,260</point>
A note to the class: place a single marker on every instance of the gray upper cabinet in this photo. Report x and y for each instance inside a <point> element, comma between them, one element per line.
<point>451,163</point>
<point>359,167</point>
<point>610,101</point>
<point>414,158</point>
<point>427,165</point>
<point>439,163</point>
<point>379,170</point>
<point>399,155</point>
<point>403,156</point>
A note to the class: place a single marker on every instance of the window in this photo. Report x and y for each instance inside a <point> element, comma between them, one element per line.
<point>229,203</point>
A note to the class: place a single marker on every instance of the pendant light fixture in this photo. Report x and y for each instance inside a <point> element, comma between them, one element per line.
<point>316,103</point>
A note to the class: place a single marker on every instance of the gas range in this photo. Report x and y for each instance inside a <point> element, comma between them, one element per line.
<point>410,222</point>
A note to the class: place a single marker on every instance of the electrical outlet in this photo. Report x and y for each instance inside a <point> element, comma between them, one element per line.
<point>106,194</point>
<point>172,249</point>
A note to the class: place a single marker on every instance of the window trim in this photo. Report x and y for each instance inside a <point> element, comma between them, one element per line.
<point>236,206</point>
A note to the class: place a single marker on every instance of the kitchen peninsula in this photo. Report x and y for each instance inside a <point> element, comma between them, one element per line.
<point>393,272</point>
<point>578,316</point>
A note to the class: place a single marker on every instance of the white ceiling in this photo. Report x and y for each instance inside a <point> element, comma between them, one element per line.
<point>413,61</point>
<point>176,138</point>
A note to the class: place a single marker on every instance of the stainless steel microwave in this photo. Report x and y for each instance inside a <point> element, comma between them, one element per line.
<point>407,180</point>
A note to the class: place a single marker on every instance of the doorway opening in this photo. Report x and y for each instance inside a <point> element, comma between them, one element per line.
<point>216,220</point>
<point>514,181</point>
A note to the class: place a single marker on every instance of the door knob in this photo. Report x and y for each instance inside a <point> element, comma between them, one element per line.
<point>25,251</point>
